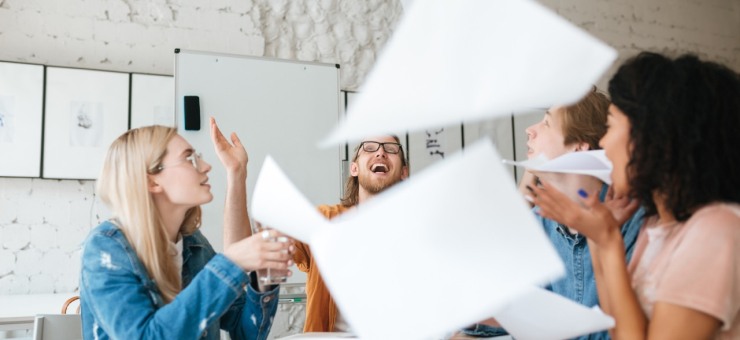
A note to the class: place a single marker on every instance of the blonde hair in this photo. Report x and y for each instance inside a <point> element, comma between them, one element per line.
<point>585,121</point>
<point>123,187</point>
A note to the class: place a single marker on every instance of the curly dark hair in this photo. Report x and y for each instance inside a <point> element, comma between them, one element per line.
<point>685,130</point>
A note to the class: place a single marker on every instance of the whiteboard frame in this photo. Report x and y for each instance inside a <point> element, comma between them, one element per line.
<point>194,68</point>
<point>111,89</point>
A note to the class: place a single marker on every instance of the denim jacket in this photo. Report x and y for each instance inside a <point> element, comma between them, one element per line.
<point>579,283</point>
<point>120,301</point>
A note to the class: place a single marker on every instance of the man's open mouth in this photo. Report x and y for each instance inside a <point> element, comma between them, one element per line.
<point>379,168</point>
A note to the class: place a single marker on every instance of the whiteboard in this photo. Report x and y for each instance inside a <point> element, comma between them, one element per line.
<point>277,107</point>
<point>21,100</point>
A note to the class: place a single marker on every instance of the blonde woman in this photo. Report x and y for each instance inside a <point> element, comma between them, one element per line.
<point>149,273</point>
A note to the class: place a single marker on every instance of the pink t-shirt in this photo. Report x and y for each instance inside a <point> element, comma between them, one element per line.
<point>694,264</point>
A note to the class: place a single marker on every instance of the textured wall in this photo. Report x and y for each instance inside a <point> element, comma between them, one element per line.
<point>707,28</point>
<point>42,223</point>
<point>140,36</point>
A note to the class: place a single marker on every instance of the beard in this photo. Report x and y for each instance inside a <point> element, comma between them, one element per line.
<point>376,185</point>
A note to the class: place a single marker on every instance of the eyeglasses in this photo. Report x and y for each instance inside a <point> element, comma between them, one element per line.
<point>392,148</point>
<point>194,158</point>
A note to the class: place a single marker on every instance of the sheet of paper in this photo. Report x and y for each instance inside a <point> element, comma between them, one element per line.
<point>277,202</point>
<point>486,58</point>
<point>543,315</point>
<point>459,232</point>
<point>592,163</point>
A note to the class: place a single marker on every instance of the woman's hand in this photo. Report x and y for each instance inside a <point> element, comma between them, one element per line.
<point>529,179</point>
<point>596,220</point>
<point>254,252</point>
<point>234,158</point>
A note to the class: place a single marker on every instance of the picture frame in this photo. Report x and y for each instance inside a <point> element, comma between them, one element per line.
<point>85,111</point>
<point>21,112</point>
<point>152,100</point>
<point>432,145</point>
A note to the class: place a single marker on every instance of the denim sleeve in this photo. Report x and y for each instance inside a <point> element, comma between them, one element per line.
<point>252,313</point>
<point>484,331</point>
<point>122,306</point>
<point>630,231</point>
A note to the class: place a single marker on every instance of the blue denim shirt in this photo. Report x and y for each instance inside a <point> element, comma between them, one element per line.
<point>579,283</point>
<point>120,301</point>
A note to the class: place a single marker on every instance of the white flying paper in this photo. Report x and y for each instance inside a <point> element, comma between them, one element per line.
<point>466,60</point>
<point>459,232</point>
<point>281,204</point>
<point>543,315</point>
<point>592,163</point>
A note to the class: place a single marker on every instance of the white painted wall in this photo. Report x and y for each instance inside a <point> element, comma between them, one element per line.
<point>708,28</point>
<point>140,36</point>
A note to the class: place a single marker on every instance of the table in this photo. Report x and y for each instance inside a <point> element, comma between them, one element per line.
<point>462,336</point>
<point>334,336</point>
<point>17,312</point>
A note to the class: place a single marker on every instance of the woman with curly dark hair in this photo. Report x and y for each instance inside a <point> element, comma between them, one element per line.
<point>672,138</point>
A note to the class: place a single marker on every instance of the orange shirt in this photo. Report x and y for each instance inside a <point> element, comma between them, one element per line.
<point>321,311</point>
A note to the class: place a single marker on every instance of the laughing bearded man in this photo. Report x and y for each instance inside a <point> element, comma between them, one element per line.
<point>378,163</point>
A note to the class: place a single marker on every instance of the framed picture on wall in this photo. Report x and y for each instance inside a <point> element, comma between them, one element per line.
<point>500,131</point>
<point>152,100</point>
<point>85,111</point>
<point>433,145</point>
<point>21,105</point>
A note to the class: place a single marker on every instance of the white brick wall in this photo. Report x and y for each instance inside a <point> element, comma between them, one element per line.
<point>140,36</point>
<point>707,28</point>
<point>42,223</point>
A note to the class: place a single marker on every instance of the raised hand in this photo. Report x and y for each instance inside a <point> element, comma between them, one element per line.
<point>234,158</point>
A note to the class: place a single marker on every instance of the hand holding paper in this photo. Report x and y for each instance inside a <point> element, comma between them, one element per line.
<point>593,163</point>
